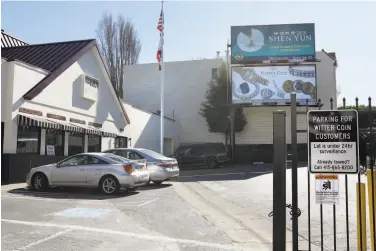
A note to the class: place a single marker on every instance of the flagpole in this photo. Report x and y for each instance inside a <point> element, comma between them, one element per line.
<point>162,89</point>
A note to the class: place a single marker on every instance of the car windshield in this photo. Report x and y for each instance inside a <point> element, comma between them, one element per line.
<point>181,150</point>
<point>152,154</point>
<point>116,158</point>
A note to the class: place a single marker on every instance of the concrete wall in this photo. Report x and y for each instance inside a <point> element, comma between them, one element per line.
<point>146,131</point>
<point>185,87</point>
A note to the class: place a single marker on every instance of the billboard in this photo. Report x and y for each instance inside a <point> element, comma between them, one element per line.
<point>272,43</point>
<point>272,85</point>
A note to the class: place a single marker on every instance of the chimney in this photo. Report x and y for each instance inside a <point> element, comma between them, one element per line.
<point>218,54</point>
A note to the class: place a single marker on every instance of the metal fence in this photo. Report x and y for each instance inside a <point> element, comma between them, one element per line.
<point>367,159</point>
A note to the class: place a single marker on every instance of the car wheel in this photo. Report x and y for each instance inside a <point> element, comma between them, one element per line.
<point>157,182</point>
<point>39,182</point>
<point>212,163</point>
<point>109,185</point>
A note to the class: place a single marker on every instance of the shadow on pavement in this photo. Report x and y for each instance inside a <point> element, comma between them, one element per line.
<point>229,172</point>
<point>152,186</point>
<point>70,193</point>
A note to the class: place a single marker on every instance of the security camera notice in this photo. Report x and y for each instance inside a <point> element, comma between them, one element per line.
<point>333,141</point>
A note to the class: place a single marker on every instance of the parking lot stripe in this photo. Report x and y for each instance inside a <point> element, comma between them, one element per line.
<point>44,240</point>
<point>213,174</point>
<point>127,234</point>
<point>147,202</point>
<point>94,202</point>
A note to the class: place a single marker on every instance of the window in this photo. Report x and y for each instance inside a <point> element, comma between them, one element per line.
<point>181,150</point>
<point>55,138</point>
<point>128,154</point>
<point>91,81</point>
<point>75,143</point>
<point>197,150</point>
<point>152,154</point>
<point>116,158</point>
<point>94,143</point>
<point>214,72</point>
<point>95,161</point>
<point>28,139</point>
<point>74,161</point>
<point>121,142</point>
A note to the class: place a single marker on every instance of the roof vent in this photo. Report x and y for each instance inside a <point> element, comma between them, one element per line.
<point>218,54</point>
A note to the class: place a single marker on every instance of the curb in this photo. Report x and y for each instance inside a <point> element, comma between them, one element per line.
<point>13,186</point>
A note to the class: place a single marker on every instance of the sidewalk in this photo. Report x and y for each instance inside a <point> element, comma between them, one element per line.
<point>13,186</point>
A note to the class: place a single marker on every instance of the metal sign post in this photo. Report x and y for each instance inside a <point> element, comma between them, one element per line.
<point>294,173</point>
<point>279,181</point>
<point>333,142</point>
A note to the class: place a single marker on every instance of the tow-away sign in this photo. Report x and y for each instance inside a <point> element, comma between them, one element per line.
<point>333,141</point>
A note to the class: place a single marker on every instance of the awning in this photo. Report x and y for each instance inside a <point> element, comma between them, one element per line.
<point>67,126</point>
<point>30,120</point>
<point>109,134</point>
<point>90,131</point>
<point>48,123</point>
<point>103,133</point>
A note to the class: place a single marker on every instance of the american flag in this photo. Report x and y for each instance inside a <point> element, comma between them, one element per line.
<point>160,47</point>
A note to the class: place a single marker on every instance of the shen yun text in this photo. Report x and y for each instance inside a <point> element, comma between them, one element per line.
<point>332,131</point>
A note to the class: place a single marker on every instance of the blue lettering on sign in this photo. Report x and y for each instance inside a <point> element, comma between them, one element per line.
<point>84,212</point>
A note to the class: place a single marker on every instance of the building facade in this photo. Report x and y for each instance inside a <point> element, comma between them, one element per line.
<point>57,100</point>
<point>186,83</point>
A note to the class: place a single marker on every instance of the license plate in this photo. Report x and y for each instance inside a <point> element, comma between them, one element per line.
<point>144,176</point>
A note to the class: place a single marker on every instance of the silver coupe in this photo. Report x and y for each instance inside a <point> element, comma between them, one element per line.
<point>105,171</point>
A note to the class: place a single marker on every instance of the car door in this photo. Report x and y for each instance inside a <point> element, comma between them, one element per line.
<point>198,155</point>
<point>95,167</point>
<point>70,172</point>
<point>192,156</point>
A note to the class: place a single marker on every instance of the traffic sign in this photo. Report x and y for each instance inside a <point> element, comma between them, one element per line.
<point>327,189</point>
<point>333,141</point>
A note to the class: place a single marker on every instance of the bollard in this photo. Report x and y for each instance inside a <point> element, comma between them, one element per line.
<point>371,203</point>
<point>279,181</point>
<point>361,216</point>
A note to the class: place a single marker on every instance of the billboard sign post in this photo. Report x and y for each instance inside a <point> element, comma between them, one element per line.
<point>273,85</point>
<point>273,43</point>
<point>333,142</point>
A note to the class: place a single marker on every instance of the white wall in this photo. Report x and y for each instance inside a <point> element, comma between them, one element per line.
<point>186,84</point>
<point>61,97</point>
<point>185,87</point>
<point>145,128</point>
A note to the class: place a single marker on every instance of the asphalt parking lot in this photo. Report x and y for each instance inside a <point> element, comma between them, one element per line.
<point>153,218</point>
<point>190,214</point>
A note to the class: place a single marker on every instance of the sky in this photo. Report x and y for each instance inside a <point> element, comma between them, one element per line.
<point>197,29</point>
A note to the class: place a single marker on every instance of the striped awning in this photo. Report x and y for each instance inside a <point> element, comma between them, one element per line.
<point>103,133</point>
<point>29,120</point>
<point>89,130</point>
<point>109,134</point>
<point>93,131</point>
<point>48,123</point>
<point>66,126</point>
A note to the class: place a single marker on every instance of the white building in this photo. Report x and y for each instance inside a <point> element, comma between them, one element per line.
<point>185,87</point>
<point>57,100</point>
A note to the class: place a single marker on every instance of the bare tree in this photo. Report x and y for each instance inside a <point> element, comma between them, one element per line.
<point>120,46</point>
